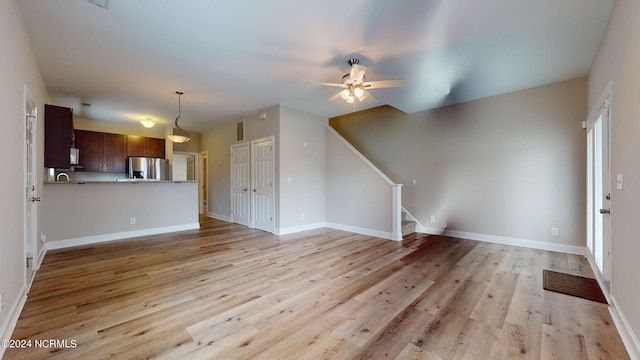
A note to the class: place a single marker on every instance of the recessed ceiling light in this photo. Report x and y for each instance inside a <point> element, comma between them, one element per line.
<point>101,3</point>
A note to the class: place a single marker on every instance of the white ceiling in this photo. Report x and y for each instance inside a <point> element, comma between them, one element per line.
<point>236,58</point>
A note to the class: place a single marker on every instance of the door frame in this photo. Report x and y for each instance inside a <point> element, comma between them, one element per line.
<point>203,179</point>
<point>31,254</point>
<point>603,109</point>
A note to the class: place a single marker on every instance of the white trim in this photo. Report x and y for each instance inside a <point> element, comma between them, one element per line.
<point>396,212</point>
<point>219,217</point>
<point>533,244</point>
<point>89,240</point>
<point>419,226</point>
<point>11,320</point>
<point>603,101</point>
<point>429,230</point>
<point>629,339</point>
<point>362,157</point>
<point>295,229</point>
<point>359,230</point>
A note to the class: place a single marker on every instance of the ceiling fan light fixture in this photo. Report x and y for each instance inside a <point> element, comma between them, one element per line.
<point>358,92</point>
<point>344,94</point>
<point>182,136</point>
<point>350,99</point>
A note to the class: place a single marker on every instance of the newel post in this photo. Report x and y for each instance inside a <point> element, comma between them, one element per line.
<point>396,212</point>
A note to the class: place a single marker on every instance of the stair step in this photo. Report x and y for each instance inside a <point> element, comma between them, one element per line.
<point>408,227</point>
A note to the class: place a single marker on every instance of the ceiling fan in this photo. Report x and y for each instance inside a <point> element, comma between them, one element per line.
<point>354,87</point>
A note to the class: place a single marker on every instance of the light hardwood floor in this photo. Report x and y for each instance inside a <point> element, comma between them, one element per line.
<point>229,292</point>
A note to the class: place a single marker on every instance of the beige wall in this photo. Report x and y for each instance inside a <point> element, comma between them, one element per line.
<point>217,142</point>
<point>69,216</point>
<point>83,123</point>
<point>304,165</point>
<point>617,62</point>
<point>302,168</point>
<point>357,197</point>
<point>18,68</point>
<point>511,165</point>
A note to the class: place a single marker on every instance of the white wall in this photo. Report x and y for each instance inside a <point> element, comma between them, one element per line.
<point>18,68</point>
<point>507,166</point>
<point>618,61</point>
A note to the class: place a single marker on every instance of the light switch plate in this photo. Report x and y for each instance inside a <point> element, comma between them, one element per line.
<point>619,182</point>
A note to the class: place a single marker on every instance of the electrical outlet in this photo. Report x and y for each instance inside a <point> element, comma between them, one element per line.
<point>43,238</point>
<point>432,219</point>
<point>132,221</point>
<point>1,301</point>
<point>554,231</point>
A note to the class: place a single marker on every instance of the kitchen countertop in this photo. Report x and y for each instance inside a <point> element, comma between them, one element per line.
<point>120,181</point>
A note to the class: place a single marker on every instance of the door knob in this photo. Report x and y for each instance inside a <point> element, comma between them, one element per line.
<point>245,190</point>
<point>34,199</point>
<point>254,190</point>
<point>605,211</point>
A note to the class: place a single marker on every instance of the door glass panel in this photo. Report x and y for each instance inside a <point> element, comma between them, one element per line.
<point>598,195</point>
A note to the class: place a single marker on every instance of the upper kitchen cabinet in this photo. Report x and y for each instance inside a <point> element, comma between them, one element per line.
<point>102,152</point>
<point>58,136</point>
<point>145,147</point>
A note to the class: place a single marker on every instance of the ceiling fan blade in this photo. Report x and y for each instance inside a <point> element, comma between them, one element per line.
<point>357,73</point>
<point>334,97</point>
<point>327,84</point>
<point>368,98</point>
<point>383,84</point>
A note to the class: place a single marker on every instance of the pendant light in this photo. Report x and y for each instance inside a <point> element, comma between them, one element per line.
<point>181,136</point>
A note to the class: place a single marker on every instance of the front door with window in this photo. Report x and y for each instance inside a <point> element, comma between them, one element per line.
<point>599,189</point>
<point>31,188</point>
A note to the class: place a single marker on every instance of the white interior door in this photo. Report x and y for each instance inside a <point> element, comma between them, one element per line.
<point>31,189</point>
<point>599,190</point>
<point>262,180</point>
<point>240,183</point>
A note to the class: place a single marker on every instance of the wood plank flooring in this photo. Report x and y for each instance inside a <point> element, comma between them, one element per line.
<point>229,292</point>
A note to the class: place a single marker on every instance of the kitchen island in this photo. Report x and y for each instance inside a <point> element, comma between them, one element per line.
<point>87,212</point>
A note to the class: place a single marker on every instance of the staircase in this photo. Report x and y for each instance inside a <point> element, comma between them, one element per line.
<point>408,227</point>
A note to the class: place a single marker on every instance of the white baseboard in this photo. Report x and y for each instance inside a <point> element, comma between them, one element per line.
<point>295,229</point>
<point>89,240</point>
<point>359,230</point>
<point>41,255</point>
<point>629,339</point>
<point>533,244</point>
<point>12,318</point>
<point>219,216</point>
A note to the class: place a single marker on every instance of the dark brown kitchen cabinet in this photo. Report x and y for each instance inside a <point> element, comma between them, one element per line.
<point>58,136</point>
<point>145,147</point>
<point>102,152</point>
<point>155,148</point>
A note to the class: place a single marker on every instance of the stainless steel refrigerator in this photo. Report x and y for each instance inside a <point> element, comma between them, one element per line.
<point>148,168</point>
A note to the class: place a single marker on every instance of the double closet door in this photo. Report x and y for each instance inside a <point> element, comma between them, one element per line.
<point>252,184</point>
